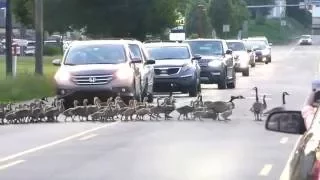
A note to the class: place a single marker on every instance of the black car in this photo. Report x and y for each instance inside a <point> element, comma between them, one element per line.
<point>175,68</point>
<point>217,63</point>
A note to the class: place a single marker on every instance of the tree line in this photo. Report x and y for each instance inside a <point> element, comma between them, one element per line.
<point>136,18</point>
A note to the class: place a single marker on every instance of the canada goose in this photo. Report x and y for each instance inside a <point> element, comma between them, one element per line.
<point>168,109</point>
<point>156,110</point>
<point>279,108</point>
<point>130,111</point>
<point>2,113</point>
<point>221,106</point>
<point>225,115</point>
<point>185,110</point>
<point>258,107</point>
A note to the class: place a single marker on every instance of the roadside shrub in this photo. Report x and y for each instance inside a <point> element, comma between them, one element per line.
<point>26,87</point>
<point>260,20</point>
<point>52,50</point>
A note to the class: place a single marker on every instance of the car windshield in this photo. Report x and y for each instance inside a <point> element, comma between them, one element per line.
<point>236,46</point>
<point>206,48</point>
<point>256,45</point>
<point>169,52</point>
<point>96,54</point>
<point>305,37</point>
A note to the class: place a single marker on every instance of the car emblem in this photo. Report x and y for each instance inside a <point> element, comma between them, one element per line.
<point>163,71</point>
<point>92,79</point>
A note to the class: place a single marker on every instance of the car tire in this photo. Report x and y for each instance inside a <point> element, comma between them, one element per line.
<point>253,65</point>
<point>246,72</point>
<point>269,59</point>
<point>232,85</point>
<point>193,91</point>
<point>146,93</point>
<point>137,89</point>
<point>67,103</point>
<point>222,83</point>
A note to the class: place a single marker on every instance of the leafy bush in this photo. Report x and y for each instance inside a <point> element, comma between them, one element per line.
<point>260,20</point>
<point>26,87</point>
<point>52,50</point>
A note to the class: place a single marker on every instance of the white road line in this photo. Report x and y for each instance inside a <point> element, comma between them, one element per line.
<point>284,140</point>
<point>88,137</point>
<point>11,164</point>
<point>29,151</point>
<point>265,170</point>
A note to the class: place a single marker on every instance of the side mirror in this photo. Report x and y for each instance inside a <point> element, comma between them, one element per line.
<point>290,122</point>
<point>136,60</point>
<point>229,51</point>
<point>56,62</point>
<point>196,57</point>
<point>270,44</point>
<point>150,62</point>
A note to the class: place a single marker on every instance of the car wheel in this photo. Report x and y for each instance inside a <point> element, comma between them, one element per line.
<point>269,59</point>
<point>193,91</point>
<point>67,103</point>
<point>246,72</point>
<point>222,83</point>
<point>232,85</point>
<point>146,93</point>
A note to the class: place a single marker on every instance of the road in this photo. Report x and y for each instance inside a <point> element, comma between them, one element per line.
<point>240,149</point>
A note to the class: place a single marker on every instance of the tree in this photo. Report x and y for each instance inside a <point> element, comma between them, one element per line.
<point>256,12</point>
<point>120,18</point>
<point>197,19</point>
<point>301,15</point>
<point>231,12</point>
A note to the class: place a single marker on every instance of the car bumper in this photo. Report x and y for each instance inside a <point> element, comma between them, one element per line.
<point>212,74</point>
<point>262,57</point>
<point>305,43</point>
<point>89,92</point>
<point>163,84</point>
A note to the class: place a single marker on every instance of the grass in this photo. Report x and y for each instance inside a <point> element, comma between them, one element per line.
<point>271,29</point>
<point>26,85</point>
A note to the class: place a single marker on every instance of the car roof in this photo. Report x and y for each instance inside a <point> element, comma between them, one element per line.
<point>98,42</point>
<point>166,44</point>
<point>234,40</point>
<point>257,37</point>
<point>202,39</point>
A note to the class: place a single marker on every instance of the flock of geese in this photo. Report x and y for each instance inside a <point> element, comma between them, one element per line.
<point>115,109</point>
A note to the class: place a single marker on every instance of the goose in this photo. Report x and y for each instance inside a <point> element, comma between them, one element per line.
<point>130,111</point>
<point>156,110</point>
<point>221,106</point>
<point>225,115</point>
<point>185,110</point>
<point>258,107</point>
<point>168,109</point>
<point>279,108</point>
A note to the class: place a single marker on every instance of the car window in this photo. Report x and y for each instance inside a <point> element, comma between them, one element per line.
<point>96,54</point>
<point>135,51</point>
<point>305,37</point>
<point>236,46</point>
<point>169,52</point>
<point>206,48</point>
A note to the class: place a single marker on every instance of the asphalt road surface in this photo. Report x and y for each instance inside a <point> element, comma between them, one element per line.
<point>173,150</point>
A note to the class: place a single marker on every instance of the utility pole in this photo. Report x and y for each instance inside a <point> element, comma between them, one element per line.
<point>39,36</point>
<point>8,38</point>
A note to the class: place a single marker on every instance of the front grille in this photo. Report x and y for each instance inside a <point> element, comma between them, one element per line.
<point>92,79</point>
<point>166,71</point>
<point>203,62</point>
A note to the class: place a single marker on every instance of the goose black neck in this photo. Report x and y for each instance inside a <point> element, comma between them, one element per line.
<point>283,99</point>
<point>257,97</point>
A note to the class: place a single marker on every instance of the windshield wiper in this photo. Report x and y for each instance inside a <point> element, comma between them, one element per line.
<point>70,64</point>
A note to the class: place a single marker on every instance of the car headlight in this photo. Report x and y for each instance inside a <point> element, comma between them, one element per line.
<point>62,76</point>
<point>186,67</point>
<point>215,63</point>
<point>124,73</point>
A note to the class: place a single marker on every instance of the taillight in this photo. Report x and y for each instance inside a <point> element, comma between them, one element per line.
<point>316,170</point>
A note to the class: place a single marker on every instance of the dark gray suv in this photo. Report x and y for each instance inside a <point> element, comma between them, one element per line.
<point>175,68</point>
<point>217,63</point>
<point>104,68</point>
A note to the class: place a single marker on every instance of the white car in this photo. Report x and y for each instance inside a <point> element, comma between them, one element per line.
<point>241,56</point>
<point>305,40</point>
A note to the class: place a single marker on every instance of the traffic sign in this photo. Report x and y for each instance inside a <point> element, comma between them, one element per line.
<point>226,28</point>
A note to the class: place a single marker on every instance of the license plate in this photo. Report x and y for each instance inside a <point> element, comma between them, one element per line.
<point>203,64</point>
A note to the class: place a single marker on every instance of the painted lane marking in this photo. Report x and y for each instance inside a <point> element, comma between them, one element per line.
<point>35,149</point>
<point>284,140</point>
<point>88,137</point>
<point>11,164</point>
<point>265,170</point>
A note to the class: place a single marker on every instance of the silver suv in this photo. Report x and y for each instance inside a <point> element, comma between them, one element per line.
<point>104,68</point>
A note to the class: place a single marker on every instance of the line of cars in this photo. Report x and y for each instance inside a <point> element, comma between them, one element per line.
<point>130,68</point>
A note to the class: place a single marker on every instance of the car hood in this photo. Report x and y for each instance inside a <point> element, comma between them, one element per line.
<point>212,57</point>
<point>92,69</point>
<point>171,62</point>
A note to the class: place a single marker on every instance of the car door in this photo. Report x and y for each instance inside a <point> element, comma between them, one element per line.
<point>301,166</point>
<point>229,62</point>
